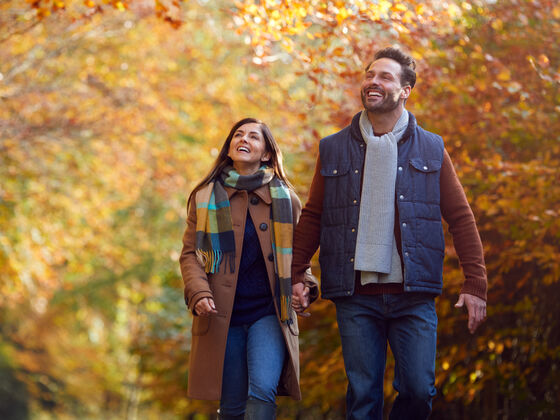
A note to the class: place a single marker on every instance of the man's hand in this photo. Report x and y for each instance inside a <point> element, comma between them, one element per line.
<point>205,307</point>
<point>300,299</point>
<point>476,308</point>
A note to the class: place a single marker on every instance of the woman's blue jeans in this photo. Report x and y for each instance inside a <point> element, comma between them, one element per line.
<point>408,321</point>
<point>253,364</point>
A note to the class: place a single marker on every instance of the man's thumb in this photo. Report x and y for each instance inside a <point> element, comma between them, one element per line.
<point>460,302</point>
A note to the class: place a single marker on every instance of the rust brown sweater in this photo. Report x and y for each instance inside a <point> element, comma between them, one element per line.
<point>455,211</point>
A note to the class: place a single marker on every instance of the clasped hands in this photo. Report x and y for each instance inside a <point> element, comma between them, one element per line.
<point>300,299</point>
<point>300,302</point>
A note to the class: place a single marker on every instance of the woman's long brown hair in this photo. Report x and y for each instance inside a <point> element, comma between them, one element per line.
<point>224,160</point>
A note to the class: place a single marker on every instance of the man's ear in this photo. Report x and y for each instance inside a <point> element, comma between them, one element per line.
<point>406,92</point>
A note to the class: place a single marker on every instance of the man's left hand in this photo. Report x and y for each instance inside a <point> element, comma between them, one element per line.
<point>476,308</point>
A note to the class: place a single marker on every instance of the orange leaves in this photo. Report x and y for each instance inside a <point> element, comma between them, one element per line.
<point>168,10</point>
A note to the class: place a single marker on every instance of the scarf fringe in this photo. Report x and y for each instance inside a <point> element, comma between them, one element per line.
<point>285,304</point>
<point>212,259</point>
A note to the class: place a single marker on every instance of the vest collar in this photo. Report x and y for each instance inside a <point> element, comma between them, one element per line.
<point>357,135</point>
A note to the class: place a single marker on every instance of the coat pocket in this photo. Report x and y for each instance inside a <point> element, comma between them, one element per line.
<point>201,325</point>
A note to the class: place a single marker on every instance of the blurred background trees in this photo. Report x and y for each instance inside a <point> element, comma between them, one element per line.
<point>110,111</point>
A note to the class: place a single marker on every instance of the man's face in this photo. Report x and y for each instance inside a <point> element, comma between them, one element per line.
<point>381,89</point>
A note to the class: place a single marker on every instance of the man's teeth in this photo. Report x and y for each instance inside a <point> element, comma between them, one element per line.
<point>374,94</point>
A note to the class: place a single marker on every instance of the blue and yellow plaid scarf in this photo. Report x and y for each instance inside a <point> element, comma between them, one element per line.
<point>215,243</point>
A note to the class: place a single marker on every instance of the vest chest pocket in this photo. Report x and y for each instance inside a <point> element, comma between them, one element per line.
<point>337,184</point>
<point>424,178</point>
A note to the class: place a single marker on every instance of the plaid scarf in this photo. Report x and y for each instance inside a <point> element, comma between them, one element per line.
<point>215,242</point>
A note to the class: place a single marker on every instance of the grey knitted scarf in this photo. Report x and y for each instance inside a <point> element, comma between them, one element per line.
<point>376,249</point>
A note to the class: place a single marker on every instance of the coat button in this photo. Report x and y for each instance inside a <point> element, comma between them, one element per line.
<point>400,168</point>
<point>356,171</point>
<point>425,168</point>
<point>263,226</point>
<point>355,201</point>
<point>334,171</point>
<point>401,197</point>
<point>270,257</point>
<point>254,200</point>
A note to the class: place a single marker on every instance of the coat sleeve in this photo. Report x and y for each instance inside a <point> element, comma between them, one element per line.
<point>309,279</point>
<point>194,277</point>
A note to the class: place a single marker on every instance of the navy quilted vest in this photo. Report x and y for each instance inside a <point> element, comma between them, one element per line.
<point>420,155</point>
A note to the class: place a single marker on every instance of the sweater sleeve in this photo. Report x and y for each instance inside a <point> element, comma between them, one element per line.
<point>308,230</point>
<point>457,213</point>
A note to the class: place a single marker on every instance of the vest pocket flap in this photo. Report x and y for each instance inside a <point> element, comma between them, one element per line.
<point>335,169</point>
<point>424,165</point>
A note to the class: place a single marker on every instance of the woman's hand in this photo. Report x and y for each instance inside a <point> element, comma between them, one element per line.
<point>300,299</point>
<point>205,307</point>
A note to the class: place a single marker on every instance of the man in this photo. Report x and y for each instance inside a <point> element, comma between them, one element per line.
<point>380,190</point>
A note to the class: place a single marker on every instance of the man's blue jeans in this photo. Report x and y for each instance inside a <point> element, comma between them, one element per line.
<point>408,321</point>
<point>253,364</point>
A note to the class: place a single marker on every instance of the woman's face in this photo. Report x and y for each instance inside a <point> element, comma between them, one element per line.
<point>248,148</point>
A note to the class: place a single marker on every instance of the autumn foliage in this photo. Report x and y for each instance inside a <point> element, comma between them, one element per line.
<point>110,112</point>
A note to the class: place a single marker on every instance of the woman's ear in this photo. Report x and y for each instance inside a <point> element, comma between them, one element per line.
<point>265,157</point>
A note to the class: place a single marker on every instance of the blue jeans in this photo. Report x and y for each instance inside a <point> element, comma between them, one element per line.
<point>253,364</point>
<point>408,321</point>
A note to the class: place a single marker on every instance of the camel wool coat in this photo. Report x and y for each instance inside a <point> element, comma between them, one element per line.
<point>209,334</point>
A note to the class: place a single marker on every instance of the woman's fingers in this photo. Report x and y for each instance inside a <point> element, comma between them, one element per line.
<point>205,307</point>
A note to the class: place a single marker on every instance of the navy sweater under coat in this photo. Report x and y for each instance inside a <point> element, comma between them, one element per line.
<point>253,297</point>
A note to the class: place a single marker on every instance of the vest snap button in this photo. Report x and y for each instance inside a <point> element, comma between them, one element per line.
<point>334,171</point>
<point>270,257</point>
<point>263,226</point>
<point>404,224</point>
<point>254,200</point>
<point>401,197</point>
<point>425,168</point>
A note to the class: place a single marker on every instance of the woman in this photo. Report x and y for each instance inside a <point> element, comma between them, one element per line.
<point>236,266</point>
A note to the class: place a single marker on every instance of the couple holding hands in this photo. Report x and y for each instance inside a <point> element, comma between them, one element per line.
<point>380,190</point>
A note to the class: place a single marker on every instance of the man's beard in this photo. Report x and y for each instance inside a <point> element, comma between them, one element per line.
<point>388,104</point>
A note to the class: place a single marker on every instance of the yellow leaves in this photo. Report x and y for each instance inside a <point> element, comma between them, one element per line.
<point>494,347</point>
<point>504,75</point>
<point>497,24</point>
<point>342,14</point>
<point>382,6</point>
